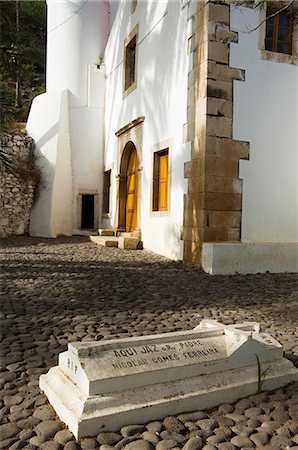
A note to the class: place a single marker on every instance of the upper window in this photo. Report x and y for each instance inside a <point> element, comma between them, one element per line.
<point>279,32</point>
<point>130,64</point>
<point>161,181</point>
<point>133,6</point>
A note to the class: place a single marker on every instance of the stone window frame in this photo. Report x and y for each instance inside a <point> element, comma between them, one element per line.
<point>157,148</point>
<point>275,56</point>
<point>133,34</point>
<point>82,192</point>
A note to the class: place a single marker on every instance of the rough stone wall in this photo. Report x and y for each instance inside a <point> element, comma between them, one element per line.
<point>17,186</point>
<point>212,207</point>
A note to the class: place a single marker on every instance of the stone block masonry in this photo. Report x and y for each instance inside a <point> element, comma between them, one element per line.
<point>213,204</point>
<point>17,186</point>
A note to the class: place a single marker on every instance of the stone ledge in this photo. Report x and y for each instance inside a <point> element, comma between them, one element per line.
<point>227,258</point>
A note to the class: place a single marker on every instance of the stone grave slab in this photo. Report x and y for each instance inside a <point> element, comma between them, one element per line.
<point>102,386</point>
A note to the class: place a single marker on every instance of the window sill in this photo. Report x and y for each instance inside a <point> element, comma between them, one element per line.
<point>130,89</point>
<point>279,57</point>
<point>160,213</point>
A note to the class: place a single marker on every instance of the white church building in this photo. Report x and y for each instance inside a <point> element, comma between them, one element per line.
<point>176,121</point>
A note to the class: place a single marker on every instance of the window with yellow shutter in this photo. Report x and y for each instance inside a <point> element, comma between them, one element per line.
<point>161,180</point>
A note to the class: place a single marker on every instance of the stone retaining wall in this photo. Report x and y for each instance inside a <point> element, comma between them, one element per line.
<point>17,186</point>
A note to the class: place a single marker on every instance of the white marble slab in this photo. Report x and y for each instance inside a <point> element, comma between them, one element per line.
<point>105,385</point>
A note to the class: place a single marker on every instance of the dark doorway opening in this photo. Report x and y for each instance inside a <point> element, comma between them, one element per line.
<point>87,212</point>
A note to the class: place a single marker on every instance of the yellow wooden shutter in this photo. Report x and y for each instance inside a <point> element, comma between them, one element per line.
<point>163,181</point>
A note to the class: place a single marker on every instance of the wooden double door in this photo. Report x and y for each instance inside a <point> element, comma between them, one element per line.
<point>128,195</point>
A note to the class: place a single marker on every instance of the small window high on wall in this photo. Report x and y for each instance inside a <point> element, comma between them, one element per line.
<point>279,31</point>
<point>161,180</point>
<point>130,58</point>
<point>106,192</point>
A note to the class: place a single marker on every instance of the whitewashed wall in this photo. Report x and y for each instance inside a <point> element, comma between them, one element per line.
<point>76,37</point>
<point>160,96</point>
<point>265,114</point>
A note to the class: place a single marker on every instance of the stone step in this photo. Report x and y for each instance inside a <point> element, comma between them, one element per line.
<point>106,232</point>
<point>129,234</point>
<point>105,241</point>
<point>125,243</point>
<point>128,243</point>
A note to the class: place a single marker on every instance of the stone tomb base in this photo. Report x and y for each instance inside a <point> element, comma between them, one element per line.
<point>103,386</point>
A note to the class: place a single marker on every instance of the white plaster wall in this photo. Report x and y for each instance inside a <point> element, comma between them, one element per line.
<point>49,126</point>
<point>160,96</point>
<point>87,139</point>
<point>77,33</point>
<point>265,114</point>
<point>70,128</point>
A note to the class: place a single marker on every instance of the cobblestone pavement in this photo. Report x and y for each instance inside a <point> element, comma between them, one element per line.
<point>69,289</point>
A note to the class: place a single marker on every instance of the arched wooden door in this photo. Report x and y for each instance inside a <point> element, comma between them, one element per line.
<point>128,189</point>
<point>132,192</point>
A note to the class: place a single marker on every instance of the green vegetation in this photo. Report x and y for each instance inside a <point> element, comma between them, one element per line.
<point>22,58</point>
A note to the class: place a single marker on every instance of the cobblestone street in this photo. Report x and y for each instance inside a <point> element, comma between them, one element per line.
<point>68,289</point>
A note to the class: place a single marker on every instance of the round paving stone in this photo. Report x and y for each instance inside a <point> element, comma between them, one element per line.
<point>151,437</point>
<point>237,417</point>
<point>226,446</point>
<point>72,445</point>
<point>223,421</point>
<point>139,445</point>
<point>50,445</point>
<point>130,430</point>
<point>281,441</point>
<point>244,404</point>
<point>174,425</point>
<point>242,441</point>
<point>24,435</point>
<point>108,438</point>
<point>37,440</point>
<point>260,438</point>
<point>10,400</point>
<point>154,427</point>
<point>253,412</point>
<point>207,424</point>
<point>18,445</point>
<point>30,422</point>
<point>225,408</point>
<point>6,443</point>
<point>44,412</point>
<point>192,416</point>
<point>194,443</point>
<point>8,430</point>
<point>127,440</point>
<point>216,438</point>
<point>47,429</point>
<point>63,436</point>
<point>89,444</point>
<point>179,438</point>
<point>270,426</point>
<point>167,444</point>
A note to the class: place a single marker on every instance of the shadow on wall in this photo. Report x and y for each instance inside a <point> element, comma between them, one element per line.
<point>43,204</point>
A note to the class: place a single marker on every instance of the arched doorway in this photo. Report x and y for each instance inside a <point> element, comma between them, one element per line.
<point>128,189</point>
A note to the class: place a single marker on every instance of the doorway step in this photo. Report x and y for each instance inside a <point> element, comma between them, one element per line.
<point>125,241</point>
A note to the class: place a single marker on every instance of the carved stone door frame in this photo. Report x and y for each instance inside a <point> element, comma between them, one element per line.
<point>129,135</point>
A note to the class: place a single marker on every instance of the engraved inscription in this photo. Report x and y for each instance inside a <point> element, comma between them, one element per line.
<point>166,355</point>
